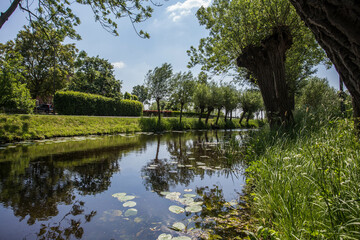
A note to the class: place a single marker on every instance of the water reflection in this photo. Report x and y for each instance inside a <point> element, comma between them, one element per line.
<point>61,189</point>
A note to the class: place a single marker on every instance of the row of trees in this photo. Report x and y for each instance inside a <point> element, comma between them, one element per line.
<point>182,90</point>
<point>37,63</point>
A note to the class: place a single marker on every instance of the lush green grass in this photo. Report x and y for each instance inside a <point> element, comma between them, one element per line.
<point>22,127</point>
<point>305,182</point>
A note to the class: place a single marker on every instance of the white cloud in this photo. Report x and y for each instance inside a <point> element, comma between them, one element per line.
<point>182,9</point>
<point>118,65</point>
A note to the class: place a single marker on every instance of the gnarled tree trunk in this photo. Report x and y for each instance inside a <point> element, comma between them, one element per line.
<point>336,26</point>
<point>267,63</point>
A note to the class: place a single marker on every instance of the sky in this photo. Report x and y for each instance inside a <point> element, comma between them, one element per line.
<point>173,28</point>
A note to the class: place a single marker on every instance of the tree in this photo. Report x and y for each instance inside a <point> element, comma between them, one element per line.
<point>200,97</point>
<point>95,75</point>
<point>182,89</point>
<point>48,62</point>
<point>61,15</point>
<point>14,96</point>
<point>157,81</point>
<point>336,25</point>
<point>256,35</point>
<point>250,101</point>
<point>318,97</point>
<point>215,101</point>
<point>141,92</point>
<point>230,99</point>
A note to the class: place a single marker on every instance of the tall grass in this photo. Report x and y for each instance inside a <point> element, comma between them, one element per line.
<point>305,182</point>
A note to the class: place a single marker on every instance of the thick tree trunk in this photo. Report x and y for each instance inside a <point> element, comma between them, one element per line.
<point>226,113</point>
<point>267,63</point>
<point>230,115</point>
<point>336,26</point>
<point>4,16</point>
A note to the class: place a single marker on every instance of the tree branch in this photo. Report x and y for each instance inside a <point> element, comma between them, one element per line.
<point>4,16</point>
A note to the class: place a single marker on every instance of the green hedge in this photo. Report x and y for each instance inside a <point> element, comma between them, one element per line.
<point>78,103</point>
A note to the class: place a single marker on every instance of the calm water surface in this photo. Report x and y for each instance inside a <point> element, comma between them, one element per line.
<point>64,188</point>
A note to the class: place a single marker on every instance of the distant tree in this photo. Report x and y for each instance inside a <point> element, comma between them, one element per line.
<point>127,96</point>
<point>158,83</point>
<point>95,75</point>
<point>231,99</point>
<point>201,97</point>
<point>61,15</point>
<point>318,96</point>
<point>182,89</point>
<point>141,92</point>
<point>134,97</point>
<point>14,95</point>
<point>250,102</point>
<point>214,101</point>
<point>217,94</point>
<point>48,62</point>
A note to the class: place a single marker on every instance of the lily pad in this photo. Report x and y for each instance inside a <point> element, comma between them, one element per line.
<point>196,203</point>
<point>138,220</point>
<point>186,201</point>
<point>129,204</point>
<point>179,226</point>
<point>131,212</point>
<point>181,238</point>
<point>116,195</point>
<point>193,208</point>
<point>173,195</point>
<point>164,236</point>
<point>126,198</point>
<point>189,195</point>
<point>200,163</point>
<point>188,190</point>
<point>188,165</point>
<point>191,159</point>
<point>165,193</point>
<point>176,209</point>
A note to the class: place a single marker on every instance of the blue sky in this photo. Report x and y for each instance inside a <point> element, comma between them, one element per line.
<point>173,29</point>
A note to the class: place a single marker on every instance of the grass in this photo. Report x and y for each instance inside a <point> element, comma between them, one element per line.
<point>304,183</point>
<point>24,127</point>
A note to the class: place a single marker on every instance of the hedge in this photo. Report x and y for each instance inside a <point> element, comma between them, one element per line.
<point>78,103</point>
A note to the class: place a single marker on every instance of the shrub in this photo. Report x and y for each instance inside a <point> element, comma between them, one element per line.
<point>77,103</point>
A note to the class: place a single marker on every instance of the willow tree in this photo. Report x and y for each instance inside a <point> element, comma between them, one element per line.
<point>183,85</point>
<point>254,37</point>
<point>335,24</point>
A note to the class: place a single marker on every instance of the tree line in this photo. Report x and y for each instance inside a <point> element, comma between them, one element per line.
<point>37,63</point>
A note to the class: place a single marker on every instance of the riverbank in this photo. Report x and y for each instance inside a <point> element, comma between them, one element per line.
<point>19,127</point>
<point>304,183</point>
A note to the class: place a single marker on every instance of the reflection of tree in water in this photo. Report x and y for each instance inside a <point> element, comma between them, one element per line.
<point>50,181</point>
<point>161,174</point>
<point>186,155</point>
<point>69,225</point>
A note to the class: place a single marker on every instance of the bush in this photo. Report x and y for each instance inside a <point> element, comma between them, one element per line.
<point>77,103</point>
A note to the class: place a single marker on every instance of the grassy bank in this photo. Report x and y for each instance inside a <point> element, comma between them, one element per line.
<point>23,127</point>
<point>305,183</point>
